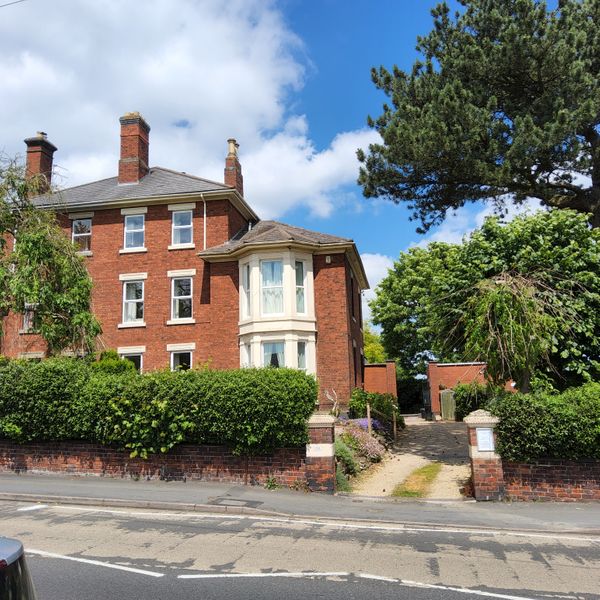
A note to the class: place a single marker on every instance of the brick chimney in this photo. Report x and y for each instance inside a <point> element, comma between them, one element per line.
<point>133,164</point>
<point>40,153</point>
<point>233,169</point>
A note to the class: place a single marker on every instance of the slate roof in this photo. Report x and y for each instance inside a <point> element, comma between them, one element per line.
<point>158,182</point>
<point>265,232</point>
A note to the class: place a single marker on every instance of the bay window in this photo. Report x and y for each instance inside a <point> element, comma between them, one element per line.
<point>274,354</point>
<point>271,274</point>
<point>300,302</point>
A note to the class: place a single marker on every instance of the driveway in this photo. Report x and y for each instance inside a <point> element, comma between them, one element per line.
<point>423,442</point>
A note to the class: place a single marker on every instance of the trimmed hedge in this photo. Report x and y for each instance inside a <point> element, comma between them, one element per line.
<point>543,425</point>
<point>251,411</point>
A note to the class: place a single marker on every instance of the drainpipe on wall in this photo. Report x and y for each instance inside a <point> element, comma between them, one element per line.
<point>204,219</point>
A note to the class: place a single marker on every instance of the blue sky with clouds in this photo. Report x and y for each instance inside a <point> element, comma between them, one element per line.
<point>290,79</point>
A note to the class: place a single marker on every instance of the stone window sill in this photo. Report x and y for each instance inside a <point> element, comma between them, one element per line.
<point>132,324</point>
<point>85,253</point>
<point>181,321</point>
<point>132,250</point>
<point>27,332</point>
<point>181,246</point>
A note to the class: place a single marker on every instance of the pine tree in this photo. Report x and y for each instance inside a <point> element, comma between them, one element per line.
<point>504,105</point>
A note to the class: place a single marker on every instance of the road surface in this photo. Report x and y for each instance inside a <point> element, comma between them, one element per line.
<point>83,552</point>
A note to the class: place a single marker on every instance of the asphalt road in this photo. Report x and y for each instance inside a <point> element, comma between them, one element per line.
<point>87,553</point>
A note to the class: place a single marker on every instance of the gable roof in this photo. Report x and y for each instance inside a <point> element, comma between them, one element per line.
<point>159,182</point>
<point>274,233</point>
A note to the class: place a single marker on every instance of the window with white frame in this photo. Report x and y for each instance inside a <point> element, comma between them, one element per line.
<point>181,294</point>
<point>182,227</point>
<point>181,360</point>
<point>136,359</point>
<point>29,316</point>
<point>300,295</point>
<point>246,355</point>
<point>274,354</point>
<point>82,234</point>
<point>246,291</point>
<point>133,301</point>
<point>271,281</point>
<point>134,231</point>
<point>302,356</point>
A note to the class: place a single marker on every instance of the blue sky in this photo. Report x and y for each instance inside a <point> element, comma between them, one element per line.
<point>290,79</point>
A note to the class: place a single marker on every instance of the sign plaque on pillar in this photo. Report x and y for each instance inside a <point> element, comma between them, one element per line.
<point>485,439</point>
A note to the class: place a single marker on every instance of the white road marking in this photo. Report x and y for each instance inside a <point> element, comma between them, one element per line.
<point>378,577</point>
<point>261,575</point>
<point>288,521</point>
<point>96,563</point>
<point>402,582</point>
<point>34,507</point>
<point>418,584</point>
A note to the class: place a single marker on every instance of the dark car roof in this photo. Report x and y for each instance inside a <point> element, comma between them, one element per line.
<point>10,550</point>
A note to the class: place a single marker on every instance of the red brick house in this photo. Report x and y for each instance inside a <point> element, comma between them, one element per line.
<point>185,273</point>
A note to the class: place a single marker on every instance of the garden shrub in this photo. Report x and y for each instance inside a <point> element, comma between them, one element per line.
<point>345,458</point>
<point>111,362</point>
<point>362,443</point>
<point>473,396</point>
<point>249,410</point>
<point>383,406</point>
<point>341,481</point>
<point>543,425</point>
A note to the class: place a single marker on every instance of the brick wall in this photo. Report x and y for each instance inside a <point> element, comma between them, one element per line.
<point>558,480</point>
<point>450,375</point>
<point>206,463</point>
<point>381,378</point>
<point>215,331</point>
<point>334,342</point>
<point>311,467</point>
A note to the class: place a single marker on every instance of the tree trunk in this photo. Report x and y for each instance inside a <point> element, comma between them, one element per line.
<point>525,383</point>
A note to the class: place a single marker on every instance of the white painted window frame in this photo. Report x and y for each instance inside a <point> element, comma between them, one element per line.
<point>175,228</point>
<point>126,282</point>
<point>126,231</point>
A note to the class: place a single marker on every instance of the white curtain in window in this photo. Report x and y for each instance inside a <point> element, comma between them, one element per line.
<point>274,355</point>
<point>272,286</point>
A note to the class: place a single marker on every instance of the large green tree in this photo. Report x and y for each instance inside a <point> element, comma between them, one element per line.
<point>523,297</point>
<point>373,348</point>
<point>503,105</point>
<point>40,268</point>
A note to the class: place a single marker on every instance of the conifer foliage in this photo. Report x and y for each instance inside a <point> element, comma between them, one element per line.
<point>503,105</point>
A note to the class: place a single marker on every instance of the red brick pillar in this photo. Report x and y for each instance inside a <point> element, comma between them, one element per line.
<point>486,464</point>
<point>320,459</point>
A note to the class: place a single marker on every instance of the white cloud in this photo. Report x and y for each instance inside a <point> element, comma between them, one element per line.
<point>376,267</point>
<point>464,221</point>
<point>218,69</point>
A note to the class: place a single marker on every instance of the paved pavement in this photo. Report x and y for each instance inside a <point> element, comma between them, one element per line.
<point>239,499</point>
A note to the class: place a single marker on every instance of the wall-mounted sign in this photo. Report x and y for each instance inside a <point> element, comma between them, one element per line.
<point>485,439</point>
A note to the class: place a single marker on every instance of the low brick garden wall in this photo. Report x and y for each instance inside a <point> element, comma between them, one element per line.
<point>311,467</point>
<point>544,479</point>
<point>558,480</point>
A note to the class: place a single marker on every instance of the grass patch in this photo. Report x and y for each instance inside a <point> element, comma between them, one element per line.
<point>417,484</point>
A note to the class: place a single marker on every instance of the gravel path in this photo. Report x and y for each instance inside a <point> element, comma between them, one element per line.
<point>420,443</point>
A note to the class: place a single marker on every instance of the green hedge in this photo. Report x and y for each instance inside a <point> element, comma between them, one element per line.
<point>543,425</point>
<point>249,410</point>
